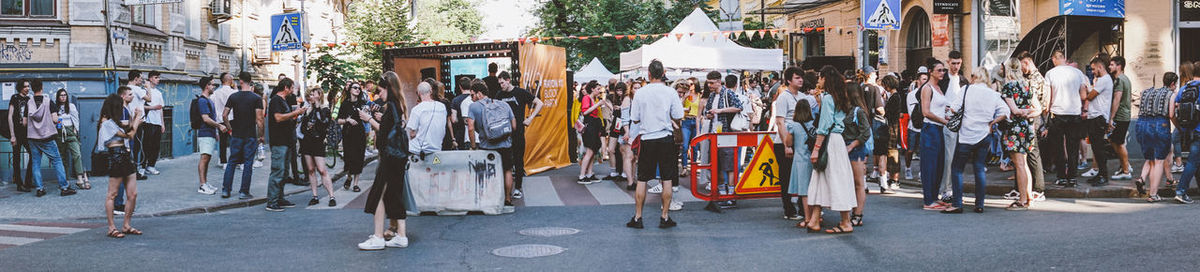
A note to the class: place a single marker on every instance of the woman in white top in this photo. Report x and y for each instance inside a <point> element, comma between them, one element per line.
<point>68,137</point>
<point>981,108</point>
<point>111,141</point>
<point>933,106</point>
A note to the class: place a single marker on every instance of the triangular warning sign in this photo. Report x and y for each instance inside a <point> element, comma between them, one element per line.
<point>883,15</point>
<point>285,35</point>
<point>437,160</point>
<point>763,176</point>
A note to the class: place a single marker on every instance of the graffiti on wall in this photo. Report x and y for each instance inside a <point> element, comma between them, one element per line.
<point>16,54</point>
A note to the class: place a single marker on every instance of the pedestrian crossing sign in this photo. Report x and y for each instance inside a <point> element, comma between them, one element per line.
<point>880,14</point>
<point>287,31</point>
<point>762,177</point>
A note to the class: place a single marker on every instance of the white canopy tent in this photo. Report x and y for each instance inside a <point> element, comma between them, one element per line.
<point>593,71</point>
<point>699,49</point>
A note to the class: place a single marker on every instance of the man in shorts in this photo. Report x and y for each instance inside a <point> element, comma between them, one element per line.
<point>475,124</point>
<point>206,135</point>
<point>656,111</point>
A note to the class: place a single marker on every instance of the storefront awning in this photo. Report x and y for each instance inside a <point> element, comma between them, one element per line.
<point>791,6</point>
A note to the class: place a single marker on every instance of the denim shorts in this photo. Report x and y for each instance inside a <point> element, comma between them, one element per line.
<point>858,153</point>
<point>1154,135</point>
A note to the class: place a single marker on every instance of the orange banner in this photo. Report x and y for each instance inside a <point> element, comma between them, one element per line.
<point>544,73</point>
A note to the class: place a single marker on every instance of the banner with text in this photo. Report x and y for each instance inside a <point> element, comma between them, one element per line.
<point>544,73</point>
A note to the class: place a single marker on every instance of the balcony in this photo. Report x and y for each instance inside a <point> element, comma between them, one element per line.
<point>220,11</point>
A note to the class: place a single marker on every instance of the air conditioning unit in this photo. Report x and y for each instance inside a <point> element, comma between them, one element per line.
<point>220,11</point>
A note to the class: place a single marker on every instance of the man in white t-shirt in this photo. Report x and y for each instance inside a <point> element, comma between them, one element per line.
<point>1096,124</point>
<point>153,128</point>
<point>656,110</point>
<point>137,107</point>
<point>1067,89</point>
<point>914,131</point>
<point>426,123</point>
<point>219,98</point>
<point>785,109</point>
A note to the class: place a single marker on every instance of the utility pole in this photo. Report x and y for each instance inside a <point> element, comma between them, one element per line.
<point>304,50</point>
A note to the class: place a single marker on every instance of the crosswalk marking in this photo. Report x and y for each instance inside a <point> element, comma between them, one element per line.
<point>343,196</point>
<point>607,193</point>
<point>539,191</point>
<point>17,241</point>
<point>27,228</point>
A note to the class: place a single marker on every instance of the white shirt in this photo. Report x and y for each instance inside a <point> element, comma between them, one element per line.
<point>953,88</point>
<point>655,108</point>
<point>983,106</point>
<point>156,99</point>
<point>1101,105</point>
<point>785,105</point>
<point>465,109</point>
<point>138,104</point>
<point>911,100</point>
<point>428,120</point>
<point>1065,81</point>
<point>937,105</point>
<point>219,97</point>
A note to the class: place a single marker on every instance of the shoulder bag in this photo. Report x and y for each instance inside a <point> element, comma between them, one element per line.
<point>955,122</point>
<point>397,146</point>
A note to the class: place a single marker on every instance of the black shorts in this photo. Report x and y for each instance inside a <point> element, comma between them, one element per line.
<point>881,137</point>
<point>506,158</point>
<point>591,133</point>
<point>658,154</point>
<point>1120,132</point>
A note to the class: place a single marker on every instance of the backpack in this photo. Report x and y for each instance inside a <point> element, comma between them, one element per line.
<point>496,126</point>
<point>1187,114</point>
<point>894,107</point>
<point>917,116</point>
<point>197,121</point>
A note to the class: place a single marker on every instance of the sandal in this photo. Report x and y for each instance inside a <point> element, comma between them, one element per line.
<point>87,185</point>
<point>856,220</point>
<point>356,189</point>
<point>1153,199</point>
<point>132,231</point>
<point>1141,186</point>
<point>114,233</point>
<point>1017,206</point>
<point>838,230</point>
<point>346,185</point>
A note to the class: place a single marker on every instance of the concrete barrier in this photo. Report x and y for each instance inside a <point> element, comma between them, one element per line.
<point>457,182</point>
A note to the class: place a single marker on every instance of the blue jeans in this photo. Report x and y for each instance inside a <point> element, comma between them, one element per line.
<point>279,155</point>
<point>963,154</point>
<point>49,148</point>
<point>241,152</point>
<point>1193,161</point>
<point>932,160</point>
<point>689,132</point>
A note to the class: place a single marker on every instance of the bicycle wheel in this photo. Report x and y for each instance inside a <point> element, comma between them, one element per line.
<point>332,155</point>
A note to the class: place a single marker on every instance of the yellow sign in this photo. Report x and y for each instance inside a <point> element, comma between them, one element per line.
<point>437,160</point>
<point>764,170</point>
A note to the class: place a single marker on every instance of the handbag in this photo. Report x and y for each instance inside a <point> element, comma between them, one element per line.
<point>99,162</point>
<point>955,122</point>
<point>397,146</point>
<point>822,156</point>
<point>740,121</point>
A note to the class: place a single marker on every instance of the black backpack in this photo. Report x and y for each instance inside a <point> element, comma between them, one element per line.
<point>917,116</point>
<point>1187,114</point>
<point>194,113</point>
<point>894,108</point>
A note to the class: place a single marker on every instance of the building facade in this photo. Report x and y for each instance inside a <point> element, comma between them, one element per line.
<point>988,31</point>
<point>64,44</point>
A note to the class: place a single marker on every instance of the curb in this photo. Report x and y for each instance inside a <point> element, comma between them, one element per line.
<point>232,205</point>
<point>1054,191</point>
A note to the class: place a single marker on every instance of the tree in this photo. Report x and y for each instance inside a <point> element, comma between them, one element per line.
<point>332,71</point>
<point>766,41</point>
<point>448,20</point>
<point>376,21</point>
<point>562,18</point>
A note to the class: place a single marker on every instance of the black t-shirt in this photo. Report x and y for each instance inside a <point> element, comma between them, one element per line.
<point>243,105</point>
<point>18,101</point>
<point>385,126</point>
<point>492,82</point>
<point>349,110</point>
<point>282,133</point>
<point>518,99</point>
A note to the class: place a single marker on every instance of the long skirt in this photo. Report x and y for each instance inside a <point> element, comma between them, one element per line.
<point>834,187</point>
<point>389,188</point>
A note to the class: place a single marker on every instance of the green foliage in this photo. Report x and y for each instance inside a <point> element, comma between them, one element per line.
<point>371,21</point>
<point>565,18</point>
<point>765,42</point>
<point>332,71</point>
<point>448,20</point>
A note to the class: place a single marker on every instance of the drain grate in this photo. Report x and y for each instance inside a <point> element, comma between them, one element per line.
<point>548,231</point>
<point>528,251</point>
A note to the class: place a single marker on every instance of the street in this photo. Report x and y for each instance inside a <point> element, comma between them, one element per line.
<point>1066,234</point>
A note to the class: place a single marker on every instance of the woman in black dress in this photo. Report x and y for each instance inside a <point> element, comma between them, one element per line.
<point>386,200</point>
<point>314,125</point>
<point>354,135</point>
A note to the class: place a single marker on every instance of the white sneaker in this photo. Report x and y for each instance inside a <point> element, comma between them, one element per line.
<point>205,190</point>
<point>1119,175</point>
<point>220,165</point>
<point>397,242</point>
<point>675,205</point>
<point>152,170</point>
<point>372,243</point>
<point>657,189</point>
<point>674,189</point>
<point>1036,196</point>
<point>141,171</point>
<point>1012,195</point>
<point>517,194</point>
<point>258,164</point>
<point>883,184</point>
<point>210,187</point>
<point>908,174</point>
<point>508,209</point>
<point>1175,169</point>
<point>1090,173</point>
<point>118,212</point>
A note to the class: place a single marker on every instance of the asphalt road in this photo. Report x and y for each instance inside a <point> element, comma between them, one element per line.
<point>1071,235</point>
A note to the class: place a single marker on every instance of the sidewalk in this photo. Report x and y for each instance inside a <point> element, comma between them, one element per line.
<point>170,193</point>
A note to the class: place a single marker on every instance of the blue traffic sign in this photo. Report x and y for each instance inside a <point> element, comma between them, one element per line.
<point>881,14</point>
<point>1100,8</point>
<point>287,31</point>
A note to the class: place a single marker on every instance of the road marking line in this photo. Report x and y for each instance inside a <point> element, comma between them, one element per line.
<point>344,196</point>
<point>607,193</point>
<point>27,228</point>
<point>17,241</point>
<point>539,191</point>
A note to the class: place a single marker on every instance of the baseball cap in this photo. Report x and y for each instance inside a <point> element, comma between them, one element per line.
<point>922,70</point>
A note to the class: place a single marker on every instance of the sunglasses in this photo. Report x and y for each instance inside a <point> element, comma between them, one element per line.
<point>943,70</point>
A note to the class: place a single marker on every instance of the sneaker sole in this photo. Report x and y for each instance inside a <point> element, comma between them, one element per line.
<point>370,248</point>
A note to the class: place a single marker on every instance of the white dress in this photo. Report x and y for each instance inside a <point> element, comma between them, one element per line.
<point>834,188</point>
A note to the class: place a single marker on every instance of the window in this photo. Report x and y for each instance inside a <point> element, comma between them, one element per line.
<point>814,44</point>
<point>27,8</point>
<point>1000,28</point>
<point>146,14</point>
<point>920,32</point>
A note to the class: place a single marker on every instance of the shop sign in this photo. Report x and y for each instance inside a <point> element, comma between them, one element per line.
<point>1189,11</point>
<point>1099,8</point>
<point>947,6</point>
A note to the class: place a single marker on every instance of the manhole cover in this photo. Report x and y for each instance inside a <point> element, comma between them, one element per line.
<point>528,251</point>
<point>548,231</point>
